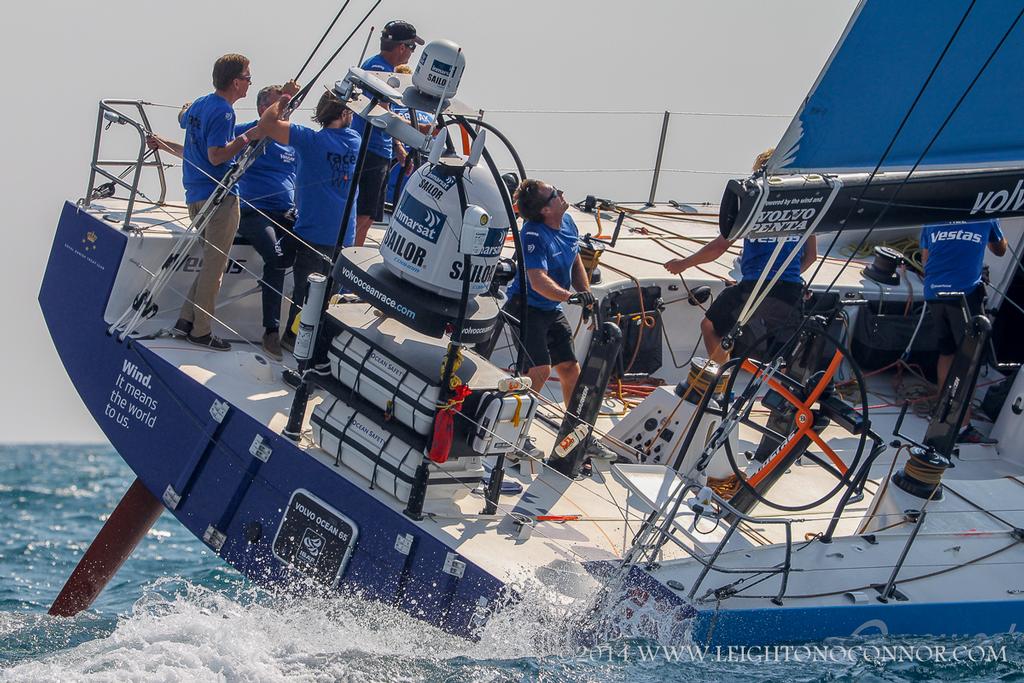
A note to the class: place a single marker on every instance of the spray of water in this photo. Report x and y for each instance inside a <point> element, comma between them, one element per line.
<point>182,630</point>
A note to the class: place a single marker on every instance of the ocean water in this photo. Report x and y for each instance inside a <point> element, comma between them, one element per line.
<point>176,612</point>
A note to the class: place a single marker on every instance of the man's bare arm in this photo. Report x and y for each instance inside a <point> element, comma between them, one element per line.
<point>157,142</point>
<point>272,125</point>
<point>810,253</point>
<point>221,155</point>
<point>542,283</point>
<point>580,281</point>
<point>706,254</point>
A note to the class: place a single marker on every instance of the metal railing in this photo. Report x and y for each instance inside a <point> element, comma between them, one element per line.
<point>664,135</point>
<point>108,116</point>
<point>663,524</point>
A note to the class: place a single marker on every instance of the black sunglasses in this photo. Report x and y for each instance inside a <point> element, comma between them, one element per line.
<point>555,192</point>
<point>411,45</point>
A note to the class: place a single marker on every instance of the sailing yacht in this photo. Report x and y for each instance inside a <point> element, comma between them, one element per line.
<point>765,496</point>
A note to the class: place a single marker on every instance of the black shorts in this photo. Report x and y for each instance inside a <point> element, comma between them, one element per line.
<point>779,309</point>
<point>548,336</point>
<point>949,321</point>
<point>371,186</point>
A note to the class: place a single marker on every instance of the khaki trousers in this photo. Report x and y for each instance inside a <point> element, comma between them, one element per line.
<point>200,305</point>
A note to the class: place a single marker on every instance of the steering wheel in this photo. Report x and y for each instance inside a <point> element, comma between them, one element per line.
<point>801,399</point>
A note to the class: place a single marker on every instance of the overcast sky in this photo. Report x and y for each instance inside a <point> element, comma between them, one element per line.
<point>58,59</point>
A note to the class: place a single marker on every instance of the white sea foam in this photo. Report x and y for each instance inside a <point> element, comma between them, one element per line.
<point>180,631</point>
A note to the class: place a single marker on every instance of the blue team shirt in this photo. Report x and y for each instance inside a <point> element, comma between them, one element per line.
<point>209,122</point>
<point>956,252</point>
<point>269,184</point>
<point>758,251</point>
<point>551,250</point>
<point>327,162</point>
<point>380,142</point>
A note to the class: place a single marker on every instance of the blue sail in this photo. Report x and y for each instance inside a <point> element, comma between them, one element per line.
<point>894,52</point>
<point>925,92</point>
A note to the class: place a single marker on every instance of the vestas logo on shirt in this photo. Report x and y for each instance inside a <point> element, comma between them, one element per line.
<point>962,235</point>
<point>418,218</point>
<point>997,202</point>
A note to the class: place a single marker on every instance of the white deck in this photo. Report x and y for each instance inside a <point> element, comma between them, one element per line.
<point>608,516</point>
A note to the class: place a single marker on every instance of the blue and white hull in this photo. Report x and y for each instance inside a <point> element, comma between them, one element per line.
<point>194,449</point>
<point>202,431</point>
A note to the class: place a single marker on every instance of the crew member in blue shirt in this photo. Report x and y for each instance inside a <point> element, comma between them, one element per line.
<point>551,255</point>
<point>267,190</point>
<point>209,147</point>
<point>398,41</point>
<point>724,311</point>
<point>953,255</point>
<point>326,163</point>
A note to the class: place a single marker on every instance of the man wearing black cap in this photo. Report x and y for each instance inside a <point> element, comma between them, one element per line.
<point>398,41</point>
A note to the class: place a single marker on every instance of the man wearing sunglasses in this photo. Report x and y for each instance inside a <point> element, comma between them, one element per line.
<point>210,146</point>
<point>551,255</point>
<point>398,41</point>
